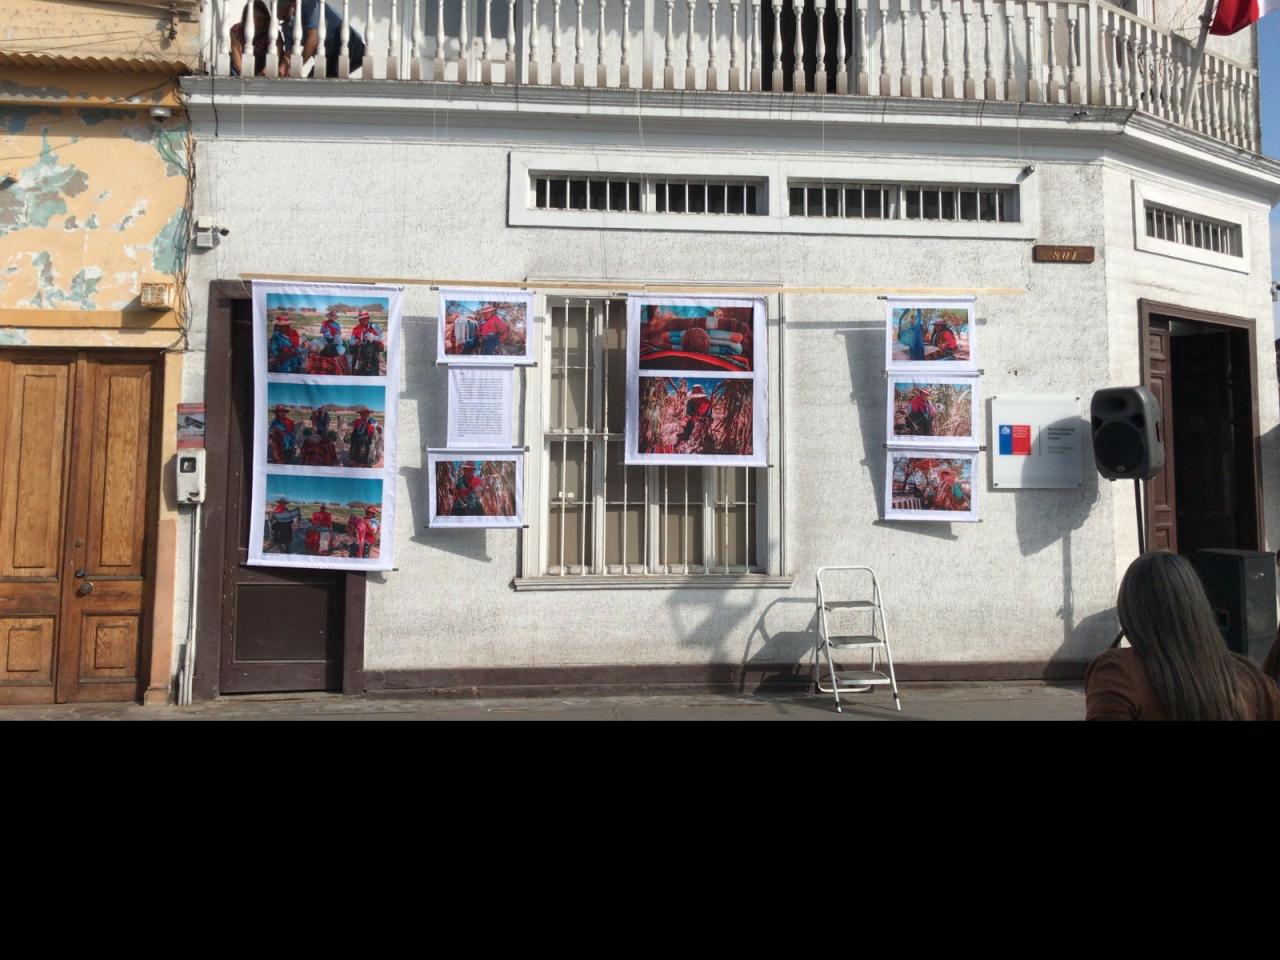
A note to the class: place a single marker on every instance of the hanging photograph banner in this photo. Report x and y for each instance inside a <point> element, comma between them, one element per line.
<point>476,488</point>
<point>933,411</point>
<point>938,485</point>
<point>485,327</point>
<point>934,335</point>
<point>697,381</point>
<point>326,376</point>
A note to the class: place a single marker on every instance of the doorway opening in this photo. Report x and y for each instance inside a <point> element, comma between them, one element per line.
<point>1202,368</point>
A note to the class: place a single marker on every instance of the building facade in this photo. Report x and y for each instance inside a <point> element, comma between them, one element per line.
<point>95,164</point>
<point>586,151</point>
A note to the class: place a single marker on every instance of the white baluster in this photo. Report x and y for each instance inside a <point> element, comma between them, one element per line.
<point>248,62</point>
<point>415,49</point>
<point>1055,72</point>
<point>557,69</point>
<point>509,64</point>
<point>1133,65</point>
<point>1075,89</point>
<point>1033,52</point>
<point>533,41</point>
<point>928,88</point>
<point>464,60</point>
<point>886,89</point>
<point>578,38</point>
<point>713,69</point>
<point>757,54</point>
<point>1250,102</point>
<point>668,70</point>
<point>486,49</point>
<point>1011,91</point>
<point>988,77</point>
<point>842,68</point>
<point>905,87</point>
<point>366,69</point>
<point>735,74</point>
<point>624,77</point>
<point>393,45</point>
<point>820,54</point>
<point>864,51</point>
<point>438,72</point>
<point>1177,78</point>
<point>690,74</point>
<point>797,72</point>
<point>1105,81</point>
<point>970,84</point>
<point>602,70</point>
<point>948,77</point>
<point>295,52</point>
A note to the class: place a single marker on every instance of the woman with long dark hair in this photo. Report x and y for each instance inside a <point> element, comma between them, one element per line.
<point>1178,667</point>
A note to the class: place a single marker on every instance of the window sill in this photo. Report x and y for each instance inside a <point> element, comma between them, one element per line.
<point>655,582</point>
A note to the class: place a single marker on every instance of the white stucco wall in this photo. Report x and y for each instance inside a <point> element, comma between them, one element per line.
<point>1034,581</point>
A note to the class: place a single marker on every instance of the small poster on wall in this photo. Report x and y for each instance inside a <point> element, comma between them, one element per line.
<point>697,379</point>
<point>479,407</point>
<point>933,411</point>
<point>931,335</point>
<point>476,488</point>
<point>327,361</point>
<point>485,327</point>
<point>931,485</point>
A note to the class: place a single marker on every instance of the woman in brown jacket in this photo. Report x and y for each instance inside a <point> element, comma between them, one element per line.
<point>1179,667</point>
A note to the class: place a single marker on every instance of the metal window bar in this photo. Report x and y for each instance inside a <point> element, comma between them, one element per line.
<point>687,519</point>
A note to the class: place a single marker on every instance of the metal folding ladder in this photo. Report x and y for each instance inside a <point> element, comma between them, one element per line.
<point>852,681</point>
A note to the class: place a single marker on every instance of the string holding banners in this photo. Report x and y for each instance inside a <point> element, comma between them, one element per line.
<point>697,381</point>
<point>490,327</point>
<point>326,365</point>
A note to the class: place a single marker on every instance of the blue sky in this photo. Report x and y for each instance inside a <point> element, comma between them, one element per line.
<point>1269,85</point>
<point>305,489</point>
<point>285,301</point>
<point>308,395</point>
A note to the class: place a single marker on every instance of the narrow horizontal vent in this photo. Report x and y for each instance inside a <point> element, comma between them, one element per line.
<point>714,196</point>
<point>831,199</point>
<point>1191,230</point>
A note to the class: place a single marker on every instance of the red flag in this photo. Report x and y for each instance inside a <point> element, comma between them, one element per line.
<point>1232,16</point>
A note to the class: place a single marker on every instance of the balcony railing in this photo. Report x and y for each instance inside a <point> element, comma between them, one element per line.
<point>1079,52</point>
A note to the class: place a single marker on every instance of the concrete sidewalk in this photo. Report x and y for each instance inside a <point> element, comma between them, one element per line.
<point>920,701</point>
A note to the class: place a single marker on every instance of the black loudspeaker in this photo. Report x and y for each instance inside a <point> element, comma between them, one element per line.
<point>1241,585</point>
<point>1126,433</point>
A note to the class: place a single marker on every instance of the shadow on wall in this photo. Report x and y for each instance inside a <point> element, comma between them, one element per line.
<point>426,385</point>
<point>864,347</point>
<point>1045,517</point>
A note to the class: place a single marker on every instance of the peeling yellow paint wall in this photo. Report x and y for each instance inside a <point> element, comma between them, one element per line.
<point>101,28</point>
<point>97,202</point>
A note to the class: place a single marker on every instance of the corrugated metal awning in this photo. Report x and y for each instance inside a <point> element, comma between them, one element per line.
<point>111,64</point>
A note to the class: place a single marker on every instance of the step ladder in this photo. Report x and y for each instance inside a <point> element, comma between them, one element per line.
<point>871,642</point>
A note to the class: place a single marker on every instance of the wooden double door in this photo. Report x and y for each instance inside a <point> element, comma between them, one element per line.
<point>78,465</point>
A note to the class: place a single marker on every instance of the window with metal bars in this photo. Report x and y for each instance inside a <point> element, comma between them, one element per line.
<point>639,194</point>
<point>604,517</point>
<point>896,201</point>
<point>1204,233</point>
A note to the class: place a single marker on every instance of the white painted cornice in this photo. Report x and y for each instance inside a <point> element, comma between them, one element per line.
<point>402,110</point>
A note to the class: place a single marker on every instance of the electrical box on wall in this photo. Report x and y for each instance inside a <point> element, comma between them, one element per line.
<point>190,476</point>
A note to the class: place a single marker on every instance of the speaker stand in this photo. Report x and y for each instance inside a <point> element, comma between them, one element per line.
<point>1142,539</point>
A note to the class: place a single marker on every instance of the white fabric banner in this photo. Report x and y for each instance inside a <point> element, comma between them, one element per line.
<point>480,407</point>
<point>326,387</point>
<point>476,488</point>
<point>697,381</point>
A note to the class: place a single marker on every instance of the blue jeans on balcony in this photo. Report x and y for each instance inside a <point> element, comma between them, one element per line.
<point>332,38</point>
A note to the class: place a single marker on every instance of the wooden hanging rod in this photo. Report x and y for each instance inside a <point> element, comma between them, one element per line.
<point>655,287</point>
